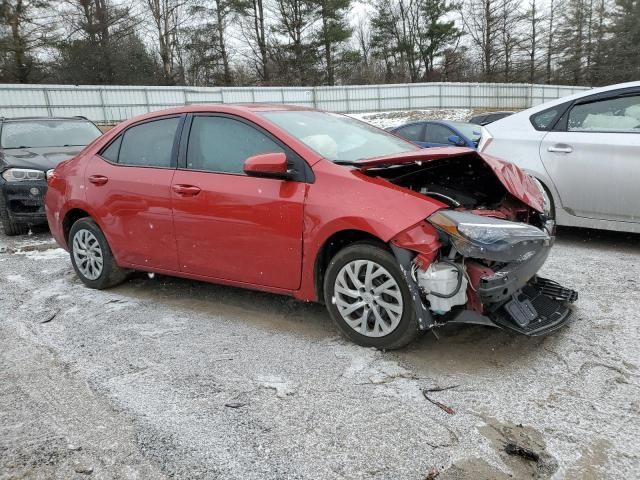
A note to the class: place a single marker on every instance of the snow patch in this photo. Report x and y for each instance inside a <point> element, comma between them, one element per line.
<point>45,254</point>
<point>283,387</point>
<point>400,117</point>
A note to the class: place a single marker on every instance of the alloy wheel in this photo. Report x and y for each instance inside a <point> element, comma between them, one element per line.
<point>368,298</point>
<point>87,254</point>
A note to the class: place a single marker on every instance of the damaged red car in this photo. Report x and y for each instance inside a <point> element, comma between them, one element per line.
<point>393,239</point>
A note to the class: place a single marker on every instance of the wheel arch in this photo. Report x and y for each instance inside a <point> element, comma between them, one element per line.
<point>332,245</point>
<point>71,217</point>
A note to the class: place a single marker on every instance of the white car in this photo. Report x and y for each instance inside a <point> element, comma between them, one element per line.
<point>584,149</point>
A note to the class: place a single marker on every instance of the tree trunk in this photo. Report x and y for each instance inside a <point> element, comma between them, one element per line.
<point>327,44</point>
<point>228,80</point>
<point>487,50</point>
<point>259,28</point>
<point>549,44</point>
<point>532,58</point>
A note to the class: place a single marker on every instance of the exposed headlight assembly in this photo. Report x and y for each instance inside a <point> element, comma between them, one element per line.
<point>490,238</point>
<point>22,175</point>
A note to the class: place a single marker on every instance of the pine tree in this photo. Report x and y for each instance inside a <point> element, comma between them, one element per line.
<point>333,33</point>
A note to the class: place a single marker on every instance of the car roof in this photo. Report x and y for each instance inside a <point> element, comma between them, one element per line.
<point>418,122</point>
<point>240,109</point>
<point>521,120</point>
<point>235,107</point>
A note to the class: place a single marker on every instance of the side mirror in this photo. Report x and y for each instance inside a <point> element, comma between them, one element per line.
<point>456,140</point>
<point>270,165</point>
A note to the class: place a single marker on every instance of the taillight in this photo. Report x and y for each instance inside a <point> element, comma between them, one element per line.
<point>484,144</point>
<point>485,140</point>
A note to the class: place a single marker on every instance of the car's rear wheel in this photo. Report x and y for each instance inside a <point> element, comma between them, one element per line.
<point>10,227</point>
<point>368,298</point>
<point>91,256</point>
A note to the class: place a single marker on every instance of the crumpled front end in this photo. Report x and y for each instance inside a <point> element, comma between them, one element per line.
<point>477,267</point>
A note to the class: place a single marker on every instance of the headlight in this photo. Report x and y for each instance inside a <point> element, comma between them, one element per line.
<point>490,238</point>
<point>22,175</point>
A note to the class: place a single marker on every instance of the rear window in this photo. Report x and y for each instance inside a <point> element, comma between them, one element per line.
<point>48,133</point>
<point>412,132</point>
<point>148,144</point>
<point>546,119</point>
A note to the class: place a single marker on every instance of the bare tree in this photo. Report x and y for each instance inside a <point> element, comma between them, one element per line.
<point>28,30</point>
<point>254,29</point>
<point>167,17</point>
<point>482,21</point>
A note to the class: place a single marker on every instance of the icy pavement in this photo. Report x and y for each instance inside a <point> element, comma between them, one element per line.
<point>400,117</point>
<point>171,378</point>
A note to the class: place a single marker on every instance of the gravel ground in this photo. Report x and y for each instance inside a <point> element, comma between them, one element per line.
<point>163,377</point>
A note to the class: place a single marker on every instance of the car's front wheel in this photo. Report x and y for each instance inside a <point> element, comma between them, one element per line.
<point>10,227</point>
<point>91,256</point>
<point>368,298</point>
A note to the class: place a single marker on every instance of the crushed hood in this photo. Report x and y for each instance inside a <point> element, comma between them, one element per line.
<point>515,180</point>
<point>38,158</point>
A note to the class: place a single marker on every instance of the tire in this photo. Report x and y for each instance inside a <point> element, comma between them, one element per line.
<point>391,328</point>
<point>87,240</point>
<point>10,227</point>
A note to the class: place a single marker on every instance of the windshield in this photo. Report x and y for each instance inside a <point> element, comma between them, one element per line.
<point>469,130</point>
<point>338,138</point>
<point>48,133</point>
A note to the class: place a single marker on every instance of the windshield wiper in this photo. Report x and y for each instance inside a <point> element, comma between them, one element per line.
<point>344,162</point>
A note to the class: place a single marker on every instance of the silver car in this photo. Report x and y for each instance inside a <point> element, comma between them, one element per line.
<point>584,149</point>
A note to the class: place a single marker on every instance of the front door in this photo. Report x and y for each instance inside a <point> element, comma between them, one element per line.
<point>229,225</point>
<point>595,162</point>
<point>129,184</point>
<point>436,135</point>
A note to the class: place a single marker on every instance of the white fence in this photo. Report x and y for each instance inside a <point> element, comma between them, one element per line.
<point>115,103</point>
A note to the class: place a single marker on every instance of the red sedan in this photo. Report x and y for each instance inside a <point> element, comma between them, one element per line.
<point>394,239</point>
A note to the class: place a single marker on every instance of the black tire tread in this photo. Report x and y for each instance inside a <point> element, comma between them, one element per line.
<point>11,228</point>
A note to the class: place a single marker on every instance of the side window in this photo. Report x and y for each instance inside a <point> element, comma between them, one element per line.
<point>438,133</point>
<point>221,144</point>
<point>412,132</point>
<point>546,119</point>
<point>615,114</point>
<point>111,152</point>
<point>149,144</point>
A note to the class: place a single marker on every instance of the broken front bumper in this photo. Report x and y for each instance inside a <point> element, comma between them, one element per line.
<point>24,201</point>
<point>512,298</point>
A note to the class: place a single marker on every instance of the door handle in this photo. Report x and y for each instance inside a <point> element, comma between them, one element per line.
<point>560,149</point>
<point>98,179</point>
<point>186,190</point>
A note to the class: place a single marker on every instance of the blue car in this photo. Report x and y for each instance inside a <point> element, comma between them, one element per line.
<point>440,133</point>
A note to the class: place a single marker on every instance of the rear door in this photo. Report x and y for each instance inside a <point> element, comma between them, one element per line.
<point>593,158</point>
<point>231,226</point>
<point>413,132</point>
<point>128,185</point>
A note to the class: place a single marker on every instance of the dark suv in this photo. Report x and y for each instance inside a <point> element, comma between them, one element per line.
<point>29,147</point>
